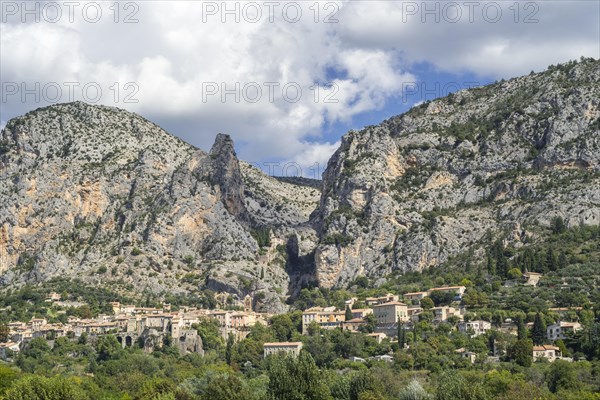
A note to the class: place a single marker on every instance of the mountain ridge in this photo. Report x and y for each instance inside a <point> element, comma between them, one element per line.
<point>97,193</point>
<point>407,193</point>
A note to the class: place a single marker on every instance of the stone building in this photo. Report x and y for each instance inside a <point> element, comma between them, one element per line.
<point>390,313</point>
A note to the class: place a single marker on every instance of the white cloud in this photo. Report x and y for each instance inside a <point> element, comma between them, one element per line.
<point>313,157</point>
<point>529,36</point>
<point>172,55</point>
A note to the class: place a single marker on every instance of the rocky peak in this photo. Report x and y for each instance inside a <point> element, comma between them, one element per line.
<point>103,195</point>
<point>223,146</point>
<point>226,173</point>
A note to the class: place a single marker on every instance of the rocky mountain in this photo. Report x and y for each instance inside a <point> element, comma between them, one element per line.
<point>500,160</point>
<point>106,196</point>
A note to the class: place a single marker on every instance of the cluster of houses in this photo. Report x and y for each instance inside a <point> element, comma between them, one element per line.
<point>146,326</point>
<point>389,312</point>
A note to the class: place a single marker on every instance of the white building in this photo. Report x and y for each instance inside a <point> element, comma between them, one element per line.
<point>458,290</point>
<point>388,298</point>
<point>9,349</point>
<point>326,318</point>
<point>472,357</point>
<point>415,296</point>
<point>562,330</point>
<point>532,278</point>
<point>475,328</point>
<point>550,353</point>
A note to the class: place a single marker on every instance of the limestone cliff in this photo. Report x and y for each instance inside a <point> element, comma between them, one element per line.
<point>426,185</point>
<point>104,195</point>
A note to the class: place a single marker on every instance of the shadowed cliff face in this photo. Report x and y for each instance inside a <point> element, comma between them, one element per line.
<point>427,185</point>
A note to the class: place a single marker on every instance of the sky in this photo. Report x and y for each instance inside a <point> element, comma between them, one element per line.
<point>286,79</point>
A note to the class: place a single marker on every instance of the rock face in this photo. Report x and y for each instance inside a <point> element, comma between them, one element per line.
<point>226,173</point>
<point>190,342</point>
<point>108,197</point>
<point>104,195</point>
<point>423,186</point>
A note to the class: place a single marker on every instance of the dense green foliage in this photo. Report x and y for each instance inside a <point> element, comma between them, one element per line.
<point>430,369</point>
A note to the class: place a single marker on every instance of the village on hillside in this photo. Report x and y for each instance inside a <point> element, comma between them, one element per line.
<point>382,318</point>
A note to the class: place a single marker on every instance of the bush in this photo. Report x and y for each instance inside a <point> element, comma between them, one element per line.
<point>262,236</point>
<point>36,387</point>
<point>337,239</point>
<point>414,391</point>
<point>453,385</point>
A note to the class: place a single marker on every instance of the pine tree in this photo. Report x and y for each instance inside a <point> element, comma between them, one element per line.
<point>538,333</point>
<point>296,378</point>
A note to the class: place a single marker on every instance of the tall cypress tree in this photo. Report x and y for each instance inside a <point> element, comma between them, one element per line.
<point>348,315</point>
<point>562,260</point>
<point>551,259</point>
<point>401,335</point>
<point>491,265</point>
<point>528,260</point>
<point>521,331</point>
<point>538,334</point>
<point>229,348</point>
<point>414,333</point>
<point>501,261</point>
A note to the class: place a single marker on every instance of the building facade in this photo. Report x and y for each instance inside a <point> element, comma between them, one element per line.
<point>390,313</point>
<point>550,353</point>
<point>474,328</point>
<point>562,330</point>
<point>292,348</point>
